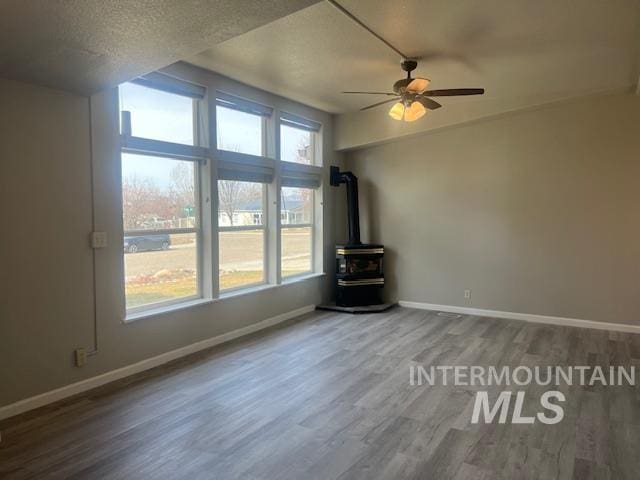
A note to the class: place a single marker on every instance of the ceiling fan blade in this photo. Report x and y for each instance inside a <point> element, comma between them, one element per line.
<point>374,93</point>
<point>428,103</point>
<point>450,92</point>
<point>380,103</point>
<point>418,85</point>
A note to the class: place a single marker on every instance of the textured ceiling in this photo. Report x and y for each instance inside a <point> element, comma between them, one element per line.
<point>87,45</point>
<point>519,50</point>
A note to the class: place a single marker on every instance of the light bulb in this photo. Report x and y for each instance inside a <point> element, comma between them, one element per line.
<point>397,111</point>
<point>414,112</point>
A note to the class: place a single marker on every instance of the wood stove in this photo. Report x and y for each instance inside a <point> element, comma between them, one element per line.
<point>359,275</point>
<point>359,267</point>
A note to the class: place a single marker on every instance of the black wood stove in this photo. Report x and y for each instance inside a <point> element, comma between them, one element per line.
<point>359,268</point>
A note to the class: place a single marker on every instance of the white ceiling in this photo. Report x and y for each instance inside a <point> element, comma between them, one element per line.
<point>518,50</point>
<point>87,45</point>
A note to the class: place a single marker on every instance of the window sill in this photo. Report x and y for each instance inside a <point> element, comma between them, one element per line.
<point>166,309</point>
<point>302,277</point>
<point>266,286</point>
<point>240,292</point>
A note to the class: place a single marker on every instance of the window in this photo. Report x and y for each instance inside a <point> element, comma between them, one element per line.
<point>160,198</point>
<point>242,234</point>
<point>239,131</point>
<point>158,115</point>
<point>240,125</point>
<point>298,138</point>
<point>296,213</point>
<point>296,145</point>
<point>300,177</point>
<point>169,176</point>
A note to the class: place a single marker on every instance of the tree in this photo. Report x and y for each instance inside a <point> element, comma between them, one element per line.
<point>143,202</point>
<point>183,190</point>
<point>233,194</point>
<point>303,149</point>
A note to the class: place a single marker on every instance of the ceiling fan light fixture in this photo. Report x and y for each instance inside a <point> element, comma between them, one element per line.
<point>397,111</point>
<point>415,111</point>
<point>418,85</point>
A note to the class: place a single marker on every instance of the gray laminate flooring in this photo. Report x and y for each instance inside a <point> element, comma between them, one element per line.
<point>328,397</point>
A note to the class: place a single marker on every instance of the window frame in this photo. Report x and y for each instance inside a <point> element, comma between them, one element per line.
<point>314,129</point>
<point>169,151</point>
<point>213,165</point>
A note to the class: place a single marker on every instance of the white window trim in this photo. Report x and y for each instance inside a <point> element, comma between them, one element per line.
<point>209,160</point>
<point>161,149</point>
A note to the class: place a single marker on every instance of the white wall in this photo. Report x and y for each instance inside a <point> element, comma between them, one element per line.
<point>47,307</point>
<point>536,212</point>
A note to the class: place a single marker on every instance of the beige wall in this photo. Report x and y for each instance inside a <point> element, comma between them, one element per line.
<point>46,296</point>
<point>47,303</point>
<point>536,212</point>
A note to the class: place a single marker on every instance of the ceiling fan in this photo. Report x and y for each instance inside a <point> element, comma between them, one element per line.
<point>411,97</point>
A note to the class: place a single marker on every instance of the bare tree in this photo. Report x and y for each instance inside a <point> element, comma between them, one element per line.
<point>234,194</point>
<point>303,149</point>
<point>230,193</point>
<point>183,191</point>
<point>143,201</point>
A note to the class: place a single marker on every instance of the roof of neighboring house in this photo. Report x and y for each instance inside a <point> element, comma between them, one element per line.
<point>255,204</point>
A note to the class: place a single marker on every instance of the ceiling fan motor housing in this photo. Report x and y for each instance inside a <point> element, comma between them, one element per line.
<point>401,85</point>
<point>409,65</point>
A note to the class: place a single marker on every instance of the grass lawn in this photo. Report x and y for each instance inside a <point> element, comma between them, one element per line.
<point>158,276</point>
<point>142,294</point>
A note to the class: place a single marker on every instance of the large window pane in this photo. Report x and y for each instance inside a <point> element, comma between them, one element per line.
<point>296,145</point>
<point>158,193</point>
<point>241,205</point>
<point>239,131</point>
<point>160,268</point>
<point>296,251</point>
<point>296,206</point>
<point>158,115</point>
<point>241,258</point>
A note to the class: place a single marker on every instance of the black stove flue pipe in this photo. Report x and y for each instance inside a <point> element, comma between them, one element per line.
<point>348,178</point>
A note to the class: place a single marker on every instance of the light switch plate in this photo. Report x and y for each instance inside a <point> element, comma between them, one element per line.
<point>80,357</point>
<point>98,239</point>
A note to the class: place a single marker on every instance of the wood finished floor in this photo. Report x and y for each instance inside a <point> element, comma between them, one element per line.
<point>328,397</point>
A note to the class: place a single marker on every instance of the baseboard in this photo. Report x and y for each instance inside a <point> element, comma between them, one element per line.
<point>527,317</point>
<point>93,382</point>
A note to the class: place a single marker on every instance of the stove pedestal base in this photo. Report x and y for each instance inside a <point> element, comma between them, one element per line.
<point>383,307</point>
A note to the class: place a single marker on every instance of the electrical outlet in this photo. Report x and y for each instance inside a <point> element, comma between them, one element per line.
<point>80,357</point>
<point>467,294</point>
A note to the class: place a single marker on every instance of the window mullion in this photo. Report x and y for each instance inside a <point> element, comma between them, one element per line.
<point>273,215</point>
<point>213,252</point>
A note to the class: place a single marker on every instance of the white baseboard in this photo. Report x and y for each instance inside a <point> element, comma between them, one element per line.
<point>527,317</point>
<point>84,385</point>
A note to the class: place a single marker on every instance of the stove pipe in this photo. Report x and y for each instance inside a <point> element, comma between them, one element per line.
<point>348,178</point>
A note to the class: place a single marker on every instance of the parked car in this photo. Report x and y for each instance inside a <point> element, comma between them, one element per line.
<point>143,243</point>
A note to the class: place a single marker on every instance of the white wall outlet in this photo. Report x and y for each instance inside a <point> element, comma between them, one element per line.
<point>80,357</point>
<point>98,239</point>
<point>467,294</point>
